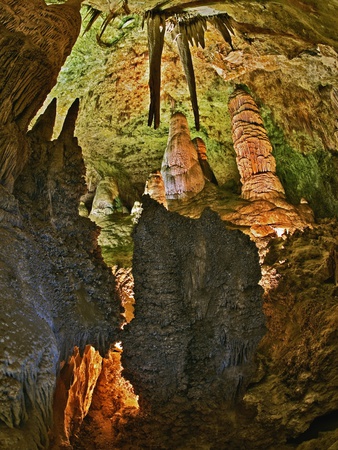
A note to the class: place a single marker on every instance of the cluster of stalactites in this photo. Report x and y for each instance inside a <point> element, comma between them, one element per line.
<point>255,162</point>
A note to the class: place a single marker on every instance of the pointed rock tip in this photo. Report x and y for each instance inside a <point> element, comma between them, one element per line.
<point>44,125</point>
<point>70,120</point>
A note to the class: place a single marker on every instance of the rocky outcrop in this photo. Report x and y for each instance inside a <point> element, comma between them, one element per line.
<point>56,291</point>
<point>198,316</point>
<point>298,354</point>
<point>181,171</point>
<point>40,37</point>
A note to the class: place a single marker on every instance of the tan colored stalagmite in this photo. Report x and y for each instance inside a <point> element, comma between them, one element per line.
<point>255,162</point>
<point>181,171</point>
<point>203,159</point>
<point>155,187</point>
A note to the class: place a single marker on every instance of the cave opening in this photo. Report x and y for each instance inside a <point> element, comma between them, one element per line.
<point>322,424</point>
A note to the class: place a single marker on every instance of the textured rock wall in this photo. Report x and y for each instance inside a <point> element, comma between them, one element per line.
<point>56,291</point>
<point>198,314</point>
<point>35,40</point>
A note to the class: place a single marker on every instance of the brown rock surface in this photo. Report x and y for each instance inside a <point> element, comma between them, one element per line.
<point>40,37</point>
<point>255,161</point>
<point>181,171</point>
<point>203,160</point>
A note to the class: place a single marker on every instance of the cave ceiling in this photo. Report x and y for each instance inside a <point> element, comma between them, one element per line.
<point>283,52</point>
<point>298,17</point>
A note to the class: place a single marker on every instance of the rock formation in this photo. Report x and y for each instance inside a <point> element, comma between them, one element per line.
<point>155,188</point>
<point>56,291</point>
<point>191,348</point>
<point>196,328</point>
<point>40,37</point>
<point>181,171</point>
<point>255,161</point>
<point>203,160</point>
<point>106,198</point>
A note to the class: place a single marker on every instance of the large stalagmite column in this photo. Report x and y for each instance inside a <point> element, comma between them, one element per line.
<point>256,164</point>
<point>181,170</point>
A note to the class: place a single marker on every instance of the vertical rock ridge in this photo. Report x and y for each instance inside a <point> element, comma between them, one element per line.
<point>197,301</point>
<point>256,164</point>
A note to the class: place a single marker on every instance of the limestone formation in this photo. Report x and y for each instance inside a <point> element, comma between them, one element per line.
<point>198,314</point>
<point>256,164</point>
<point>50,302</point>
<point>155,188</point>
<point>106,199</point>
<point>40,37</point>
<point>181,171</point>
<point>73,394</point>
<point>192,346</point>
<point>203,160</point>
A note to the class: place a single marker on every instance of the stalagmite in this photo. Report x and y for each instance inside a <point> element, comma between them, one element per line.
<point>198,317</point>
<point>181,171</point>
<point>155,188</point>
<point>256,164</point>
<point>203,160</point>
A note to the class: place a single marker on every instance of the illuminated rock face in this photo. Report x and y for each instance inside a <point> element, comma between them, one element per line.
<point>256,165</point>
<point>73,393</point>
<point>181,171</point>
<point>56,291</point>
<point>198,312</point>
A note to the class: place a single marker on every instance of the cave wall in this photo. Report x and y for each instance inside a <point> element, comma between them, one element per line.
<point>35,42</point>
<point>57,292</point>
<point>198,320</point>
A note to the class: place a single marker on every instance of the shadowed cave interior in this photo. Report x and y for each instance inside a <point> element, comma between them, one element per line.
<point>168,225</point>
